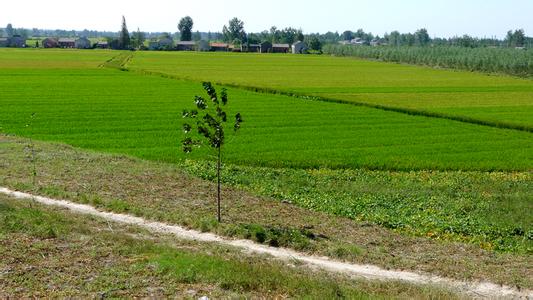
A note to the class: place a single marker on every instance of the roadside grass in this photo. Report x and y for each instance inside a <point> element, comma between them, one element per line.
<point>458,93</point>
<point>53,253</point>
<point>163,192</point>
<point>120,112</point>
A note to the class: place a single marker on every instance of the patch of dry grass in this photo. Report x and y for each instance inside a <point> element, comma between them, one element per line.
<point>164,193</point>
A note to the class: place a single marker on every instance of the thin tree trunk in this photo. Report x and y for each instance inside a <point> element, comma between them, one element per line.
<point>218,190</point>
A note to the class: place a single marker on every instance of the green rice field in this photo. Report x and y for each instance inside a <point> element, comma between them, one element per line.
<point>122,112</point>
<point>500,100</point>
<point>78,101</point>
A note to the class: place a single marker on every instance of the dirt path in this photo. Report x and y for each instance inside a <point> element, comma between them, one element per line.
<point>474,289</point>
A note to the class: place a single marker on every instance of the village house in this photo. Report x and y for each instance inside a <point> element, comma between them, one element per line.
<point>266,47</point>
<point>82,43</point>
<point>281,48</point>
<point>101,45</point>
<point>15,42</point>
<point>50,43</point>
<point>299,48</point>
<point>219,47</point>
<point>254,48</point>
<point>67,43</point>
<point>186,46</point>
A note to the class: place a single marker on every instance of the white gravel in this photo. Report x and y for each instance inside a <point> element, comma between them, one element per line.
<point>472,289</point>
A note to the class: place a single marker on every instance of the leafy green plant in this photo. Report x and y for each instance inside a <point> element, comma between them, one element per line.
<point>210,120</point>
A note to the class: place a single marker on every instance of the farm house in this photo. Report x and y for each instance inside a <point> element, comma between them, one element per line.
<point>50,43</point>
<point>266,47</point>
<point>281,48</point>
<point>101,45</point>
<point>254,48</point>
<point>186,46</point>
<point>299,47</point>
<point>15,42</point>
<point>219,47</point>
<point>82,43</point>
<point>67,43</point>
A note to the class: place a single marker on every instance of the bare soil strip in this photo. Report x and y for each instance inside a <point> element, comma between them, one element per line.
<point>475,289</point>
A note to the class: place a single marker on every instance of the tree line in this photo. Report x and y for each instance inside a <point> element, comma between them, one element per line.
<point>234,33</point>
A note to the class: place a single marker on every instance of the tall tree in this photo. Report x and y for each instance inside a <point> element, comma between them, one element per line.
<point>9,30</point>
<point>185,27</point>
<point>519,38</point>
<point>234,31</point>
<point>138,39</point>
<point>422,37</point>
<point>124,36</point>
<point>347,35</point>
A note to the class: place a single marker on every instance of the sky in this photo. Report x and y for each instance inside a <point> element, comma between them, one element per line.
<point>442,18</point>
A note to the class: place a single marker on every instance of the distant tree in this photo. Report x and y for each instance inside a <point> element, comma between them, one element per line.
<point>197,36</point>
<point>138,39</point>
<point>1,32</point>
<point>274,35</point>
<point>394,39</point>
<point>37,44</point>
<point>209,120</point>
<point>347,35</point>
<point>234,30</point>
<point>9,30</point>
<point>124,36</point>
<point>185,27</point>
<point>209,36</point>
<point>253,38</point>
<point>314,43</point>
<point>519,38</point>
<point>300,35</point>
<point>422,37</point>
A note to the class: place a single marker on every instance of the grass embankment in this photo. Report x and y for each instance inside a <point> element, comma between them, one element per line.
<point>163,192</point>
<point>495,100</point>
<point>120,112</point>
<point>52,253</point>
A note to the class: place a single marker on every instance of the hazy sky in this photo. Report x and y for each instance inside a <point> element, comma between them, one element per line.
<point>441,17</point>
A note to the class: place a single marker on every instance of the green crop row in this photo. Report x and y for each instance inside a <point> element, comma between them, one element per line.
<point>456,94</point>
<point>517,62</point>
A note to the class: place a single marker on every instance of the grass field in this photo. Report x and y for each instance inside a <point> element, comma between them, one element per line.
<point>497,99</point>
<point>123,112</point>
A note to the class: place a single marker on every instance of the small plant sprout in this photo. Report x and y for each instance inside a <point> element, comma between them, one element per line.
<point>208,119</point>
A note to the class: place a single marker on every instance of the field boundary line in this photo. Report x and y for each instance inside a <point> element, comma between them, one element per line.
<point>370,272</point>
<point>408,111</point>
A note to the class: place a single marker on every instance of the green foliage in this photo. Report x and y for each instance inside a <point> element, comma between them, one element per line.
<point>124,40</point>
<point>487,209</point>
<point>29,221</point>
<point>489,60</point>
<point>185,27</point>
<point>234,31</point>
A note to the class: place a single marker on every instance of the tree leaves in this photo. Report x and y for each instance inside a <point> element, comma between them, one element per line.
<point>210,122</point>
